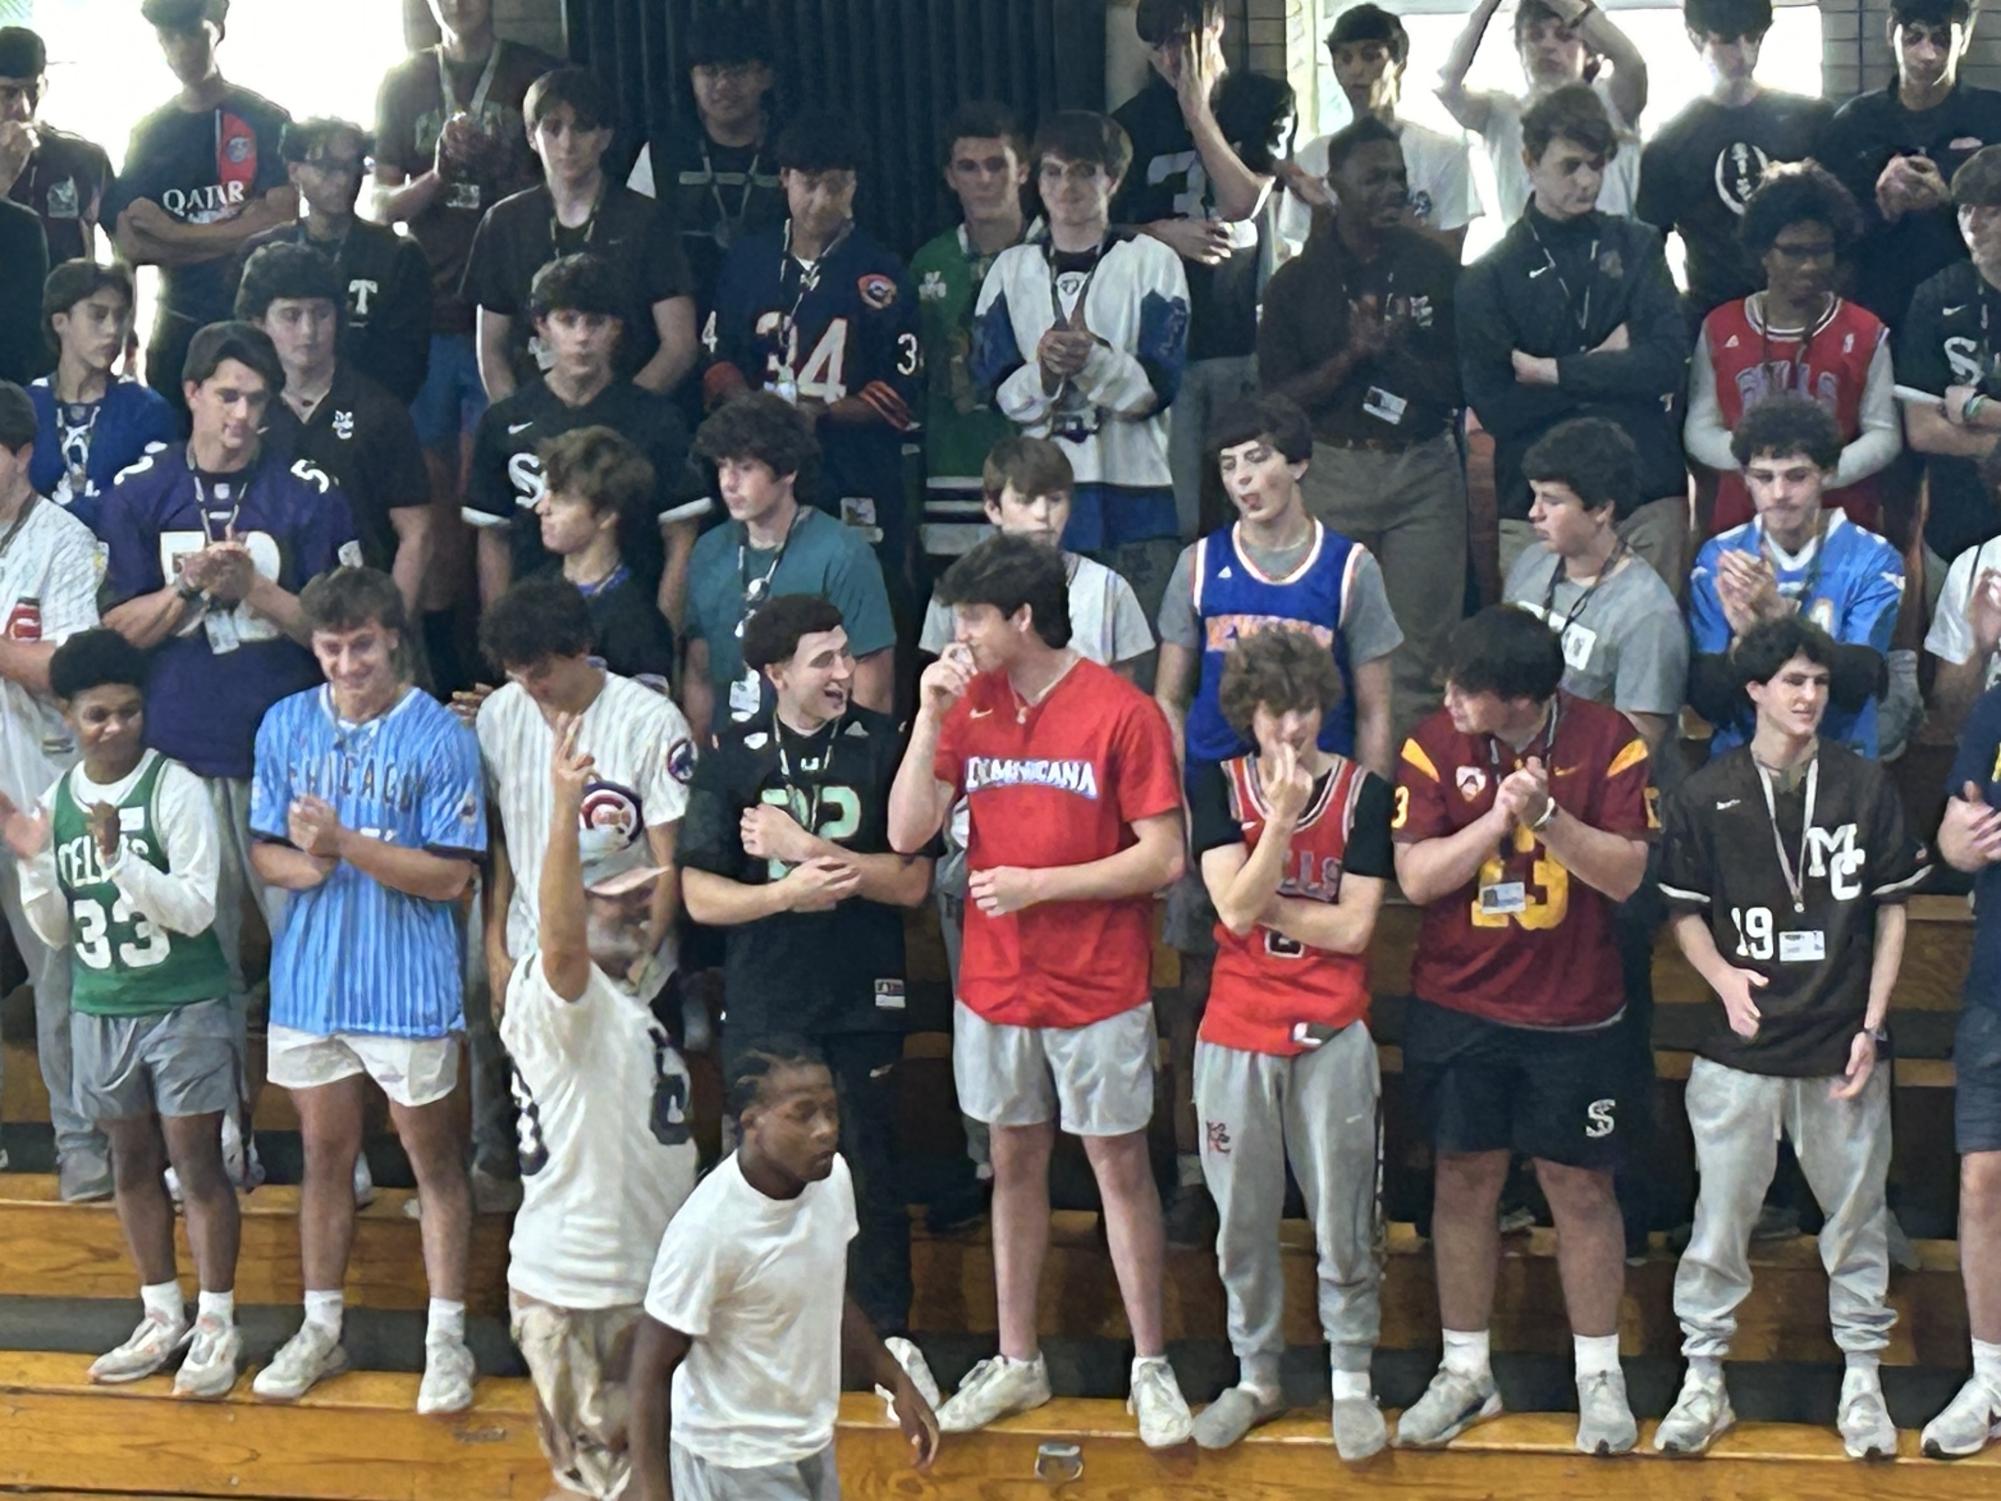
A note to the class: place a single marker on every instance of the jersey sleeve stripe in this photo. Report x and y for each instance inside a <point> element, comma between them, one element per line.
<point>895,411</point>
<point>1897,888</point>
<point>1681,894</point>
<point>1634,753</point>
<point>481,518</point>
<point>1414,757</point>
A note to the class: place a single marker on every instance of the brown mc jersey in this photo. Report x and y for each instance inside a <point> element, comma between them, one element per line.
<point>1555,962</point>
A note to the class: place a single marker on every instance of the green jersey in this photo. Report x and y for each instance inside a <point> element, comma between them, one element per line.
<point>123,964</point>
<point>960,425</point>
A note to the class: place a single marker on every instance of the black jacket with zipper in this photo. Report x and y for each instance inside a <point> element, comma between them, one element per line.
<point>1560,296</point>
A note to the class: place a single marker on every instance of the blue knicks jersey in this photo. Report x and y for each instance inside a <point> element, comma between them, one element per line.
<point>1233,599</point>
<point>1851,585</point>
<point>846,327</point>
<point>355,956</point>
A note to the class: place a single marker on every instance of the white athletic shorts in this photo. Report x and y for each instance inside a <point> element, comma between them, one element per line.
<point>1094,1080</point>
<point>412,1071</point>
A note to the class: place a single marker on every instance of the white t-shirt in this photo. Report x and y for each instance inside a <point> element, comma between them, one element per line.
<point>606,1150</point>
<point>1440,169</point>
<point>49,573</point>
<point>1950,638</point>
<point>644,758</point>
<point>1616,195</point>
<point>758,1285</point>
<point>1107,623</point>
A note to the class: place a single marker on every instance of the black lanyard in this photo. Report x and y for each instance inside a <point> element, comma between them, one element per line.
<point>590,225</point>
<point>1056,276</point>
<point>727,223</point>
<point>1584,597</point>
<point>808,800</point>
<point>756,591</point>
<point>77,435</point>
<point>809,278</point>
<point>1769,551</point>
<point>238,492</point>
<point>1581,315</point>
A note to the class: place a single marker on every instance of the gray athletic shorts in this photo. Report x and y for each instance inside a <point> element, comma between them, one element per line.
<point>1095,1080</point>
<point>1976,1058</point>
<point>184,1061</point>
<point>695,1479</point>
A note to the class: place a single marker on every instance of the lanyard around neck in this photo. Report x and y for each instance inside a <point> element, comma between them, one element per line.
<point>1580,314</point>
<point>477,103</point>
<point>1583,600</point>
<point>1795,874</point>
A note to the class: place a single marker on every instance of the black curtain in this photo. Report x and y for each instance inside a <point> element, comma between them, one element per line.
<point>900,67</point>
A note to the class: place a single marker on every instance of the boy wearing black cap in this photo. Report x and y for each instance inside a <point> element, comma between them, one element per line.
<point>722,179</point>
<point>62,177</point>
<point>202,175</point>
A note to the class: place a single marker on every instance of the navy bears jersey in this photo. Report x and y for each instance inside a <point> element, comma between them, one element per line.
<point>844,326</point>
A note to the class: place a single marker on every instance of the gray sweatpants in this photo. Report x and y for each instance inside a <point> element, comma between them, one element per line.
<point>693,1478</point>
<point>48,973</point>
<point>1318,1111</point>
<point>1844,1150</point>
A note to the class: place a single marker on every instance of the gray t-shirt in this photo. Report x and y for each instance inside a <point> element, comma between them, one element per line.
<point>1626,646</point>
<point>1368,625</point>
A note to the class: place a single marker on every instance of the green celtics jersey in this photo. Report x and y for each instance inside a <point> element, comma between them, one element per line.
<point>959,424</point>
<point>122,964</point>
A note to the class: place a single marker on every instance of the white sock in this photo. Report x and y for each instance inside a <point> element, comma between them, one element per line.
<point>1709,1368</point>
<point>1987,1362</point>
<point>325,1309</point>
<point>1861,1372</point>
<point>1467,1352</point>
<point>447,1321</point>
<point>1349,1384</point>
<point>1596,1354</point>
<point>163,1300</point>
<point>1188,1169</point>
<point>218,1306</point>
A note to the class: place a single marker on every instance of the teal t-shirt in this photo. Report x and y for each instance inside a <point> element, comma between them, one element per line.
<point>820,556</point>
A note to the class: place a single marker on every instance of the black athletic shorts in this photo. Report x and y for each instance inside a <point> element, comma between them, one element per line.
<point>1475,1085</point>
<point>1976,1060</point>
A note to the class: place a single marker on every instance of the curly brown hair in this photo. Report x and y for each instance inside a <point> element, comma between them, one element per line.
<point>1283,669</point>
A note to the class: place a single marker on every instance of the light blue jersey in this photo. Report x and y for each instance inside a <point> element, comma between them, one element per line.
<point>356,956</point>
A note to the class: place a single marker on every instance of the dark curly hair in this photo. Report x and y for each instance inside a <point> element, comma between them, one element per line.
<point>1783,425</point>
<point>1798,193</point>
<point>1281,669</point>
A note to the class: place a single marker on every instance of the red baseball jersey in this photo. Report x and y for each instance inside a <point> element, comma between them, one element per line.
<point>1061,783</point>
<point>1829,364</point>
<point>1555,962</point>
<point>1265,986</point>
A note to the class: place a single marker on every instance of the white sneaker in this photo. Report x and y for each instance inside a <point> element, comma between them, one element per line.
<point>364,1182</point>
<point>448,1377</point>
<point>1156,1400</point>
<point>1450,1405</point>
<point>151,1346</point>
<point>1359,1428</point>
<point>1864,1422</point>
<point>239,1155</point>
<point>1969,1421</point>
<point>310,1356</point>
<point>1701,1415</point>
<point>994,1389</point>
<point>916,1367</point>
<point>1604,1417</point>
<point>210,1367</point>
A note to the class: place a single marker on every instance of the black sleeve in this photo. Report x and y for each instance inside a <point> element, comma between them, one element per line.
<point>1369,849</point>
<point>1211,825</point>
<point>664,272</point>
<point>1687,879</point>
<point>26,258</point>
<point>396,459</point>
<point>485,283</point>
<point>710,836</point>
<point>1858,673</point>
<point>1920,358</point>
<point>1715,691</point>
<point>487,490</point>
<point>403,354</point>
<point>1655,203</point>
<point>1896,860</point>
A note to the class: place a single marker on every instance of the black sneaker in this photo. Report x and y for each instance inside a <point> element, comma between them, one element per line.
<point>960,1207</point>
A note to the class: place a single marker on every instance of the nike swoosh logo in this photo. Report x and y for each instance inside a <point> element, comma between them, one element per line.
<point>1949,311</point>
<point>518,427</point>
<point>1727,804</point>
<point>979,713</point>
<point>1562,771</point>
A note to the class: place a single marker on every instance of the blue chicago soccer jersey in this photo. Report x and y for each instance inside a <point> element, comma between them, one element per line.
<point>354,955</point>
<point>209,686</point>
<point>92,441</point>
<point>1850,585</point>
<point>1233,599</point>
<point>847,327</point>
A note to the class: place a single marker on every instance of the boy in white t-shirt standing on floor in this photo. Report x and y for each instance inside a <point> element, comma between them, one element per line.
<point>606,1151</point>
<point>746,1314</point>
